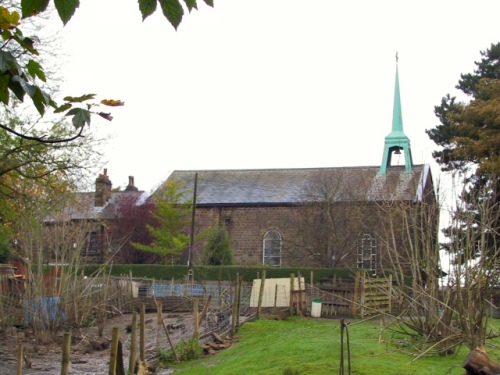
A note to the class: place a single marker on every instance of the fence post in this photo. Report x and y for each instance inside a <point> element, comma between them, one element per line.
<point>362,288</point>
<point>390,293</point>
<point>65,354</point>
<point>313,290</point>
<point>292,285</point>
<point>299,302</point>
<point>240,281</point>
<point>114,352</point>
<point>261,293</point>
<point>20,360</point>
<point>159,318</point>
<point>356,293</point>
<point>131,304</point>
<point>133,345</point>
<point>120,370</point>
<point>235,307</point>
<point>196,333</point>
<point>142,338</point>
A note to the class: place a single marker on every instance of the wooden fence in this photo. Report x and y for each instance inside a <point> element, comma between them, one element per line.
<point>362,297</point>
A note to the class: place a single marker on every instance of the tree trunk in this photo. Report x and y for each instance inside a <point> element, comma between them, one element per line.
<point>478,363</point>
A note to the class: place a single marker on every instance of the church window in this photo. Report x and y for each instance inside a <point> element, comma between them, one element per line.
<point>272,248</point>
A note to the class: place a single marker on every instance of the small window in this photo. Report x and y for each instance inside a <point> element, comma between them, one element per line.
<point>92,243</point>
<point>367,254</point>
<point>272,248</point>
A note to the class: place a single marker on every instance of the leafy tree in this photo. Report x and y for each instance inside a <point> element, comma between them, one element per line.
<point>130,226</point>
<point>171,218</point>
<point>31,171</point>
<point>217,250</point>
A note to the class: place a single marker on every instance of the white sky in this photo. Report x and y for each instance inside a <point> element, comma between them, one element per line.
<point>269,83</point>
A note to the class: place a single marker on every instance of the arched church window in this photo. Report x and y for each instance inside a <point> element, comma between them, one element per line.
<point>272,248</point>
<point>367,253</point>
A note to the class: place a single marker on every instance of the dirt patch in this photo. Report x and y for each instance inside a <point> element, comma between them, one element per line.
<point>89,352</point>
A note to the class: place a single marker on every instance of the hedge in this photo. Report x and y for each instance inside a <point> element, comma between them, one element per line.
<point>215,273</point>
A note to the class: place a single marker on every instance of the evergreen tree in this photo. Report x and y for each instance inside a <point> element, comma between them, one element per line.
<point>469,140</point>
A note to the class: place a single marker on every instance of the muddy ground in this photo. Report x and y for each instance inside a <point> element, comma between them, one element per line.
<point>89,352</point>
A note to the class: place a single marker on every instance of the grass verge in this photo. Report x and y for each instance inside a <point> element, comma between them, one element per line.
<point>313,347</point>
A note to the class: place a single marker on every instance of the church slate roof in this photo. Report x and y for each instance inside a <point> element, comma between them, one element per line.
<point>290,186</point>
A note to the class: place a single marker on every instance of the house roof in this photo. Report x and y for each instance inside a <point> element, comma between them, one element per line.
<point>290,186</point>
<point>81,206</point>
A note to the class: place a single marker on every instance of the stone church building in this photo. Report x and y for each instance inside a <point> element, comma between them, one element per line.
<point>326,217</point>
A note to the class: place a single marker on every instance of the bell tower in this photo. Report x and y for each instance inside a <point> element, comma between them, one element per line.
<point>397,141</point>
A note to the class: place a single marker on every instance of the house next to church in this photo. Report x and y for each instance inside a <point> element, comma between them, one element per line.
<point>92,213</point>
<point>324,217</point>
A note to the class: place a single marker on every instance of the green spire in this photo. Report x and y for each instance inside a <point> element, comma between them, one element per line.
<point>397,139</point>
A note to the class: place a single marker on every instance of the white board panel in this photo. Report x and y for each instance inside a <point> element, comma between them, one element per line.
<point>276,292</point>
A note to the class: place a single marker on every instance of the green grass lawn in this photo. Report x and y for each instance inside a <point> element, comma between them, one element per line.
<point>313,347</point>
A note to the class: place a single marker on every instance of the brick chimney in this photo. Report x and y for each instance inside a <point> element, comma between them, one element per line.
<point>102,189</point>
<point>130,186</point>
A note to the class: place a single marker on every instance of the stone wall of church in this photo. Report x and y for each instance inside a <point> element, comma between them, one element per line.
<point>247,227</point>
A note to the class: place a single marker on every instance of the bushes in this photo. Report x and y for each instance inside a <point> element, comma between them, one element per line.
<point>186,350</point>
<point>217,250</point>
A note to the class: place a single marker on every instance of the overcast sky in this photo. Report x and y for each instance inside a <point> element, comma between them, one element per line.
<point>269,83</point>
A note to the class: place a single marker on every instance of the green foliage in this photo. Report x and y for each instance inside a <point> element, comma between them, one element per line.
<point>16,78</point>
<point>172,9</point>
<point>289,371</point>
<point>217,250</point>
<point>186,350</point>
<point>172,217</point>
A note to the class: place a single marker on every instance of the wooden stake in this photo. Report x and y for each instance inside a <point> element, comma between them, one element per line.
<point>292,286</point>
<point>261,293</point>
<point>65,354</point>
<point>120,369</point>
<point>238,302</point>
<point>168,337</point>
<point>133,345</point>
<point>113,359</point>
<point>20,360</point>
<point>131,305</point>
<point>356,293</point>
<point>159,318</point>
<point>196,333</point>
<point>300,295</point>
<point>205,309</point>
<point>142,334</point>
